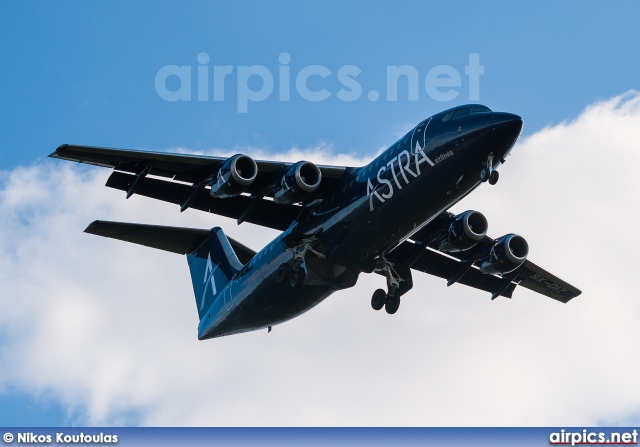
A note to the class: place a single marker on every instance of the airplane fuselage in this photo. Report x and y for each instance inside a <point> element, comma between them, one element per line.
<point>369,212</point>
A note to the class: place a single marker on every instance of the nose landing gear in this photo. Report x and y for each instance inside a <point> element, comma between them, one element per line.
<point>493,178</point>
<point>488,173</point>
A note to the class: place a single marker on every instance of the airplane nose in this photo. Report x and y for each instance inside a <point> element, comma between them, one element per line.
<point>509,122</point>
<point>506,127</point>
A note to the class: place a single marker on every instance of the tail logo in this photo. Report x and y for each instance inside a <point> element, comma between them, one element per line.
<point>208,277</point>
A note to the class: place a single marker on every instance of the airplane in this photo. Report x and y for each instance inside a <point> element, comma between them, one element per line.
<point>389,217</point>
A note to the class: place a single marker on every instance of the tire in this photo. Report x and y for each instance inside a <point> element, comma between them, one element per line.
<point>283,273</point>
<point>493,179</point>
<point>378,299</point>
<point>484,175</point>
<point>297,279</point>
<point>392,304</point>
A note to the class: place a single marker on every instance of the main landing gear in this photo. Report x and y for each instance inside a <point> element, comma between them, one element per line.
<point>391,299</point>
<point>488,173</point>
<point>295,272</point>
<point>295,276</point>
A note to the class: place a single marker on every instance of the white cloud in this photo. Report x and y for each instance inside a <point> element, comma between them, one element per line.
<point>109,328</point>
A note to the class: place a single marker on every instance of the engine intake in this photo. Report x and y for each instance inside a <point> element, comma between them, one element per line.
<point>465,231</point>
<point>302,179</point>
<point>234,177</point>
<point>507,254</point>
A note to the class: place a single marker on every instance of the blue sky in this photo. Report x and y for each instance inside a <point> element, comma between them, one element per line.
<point>84,73</point>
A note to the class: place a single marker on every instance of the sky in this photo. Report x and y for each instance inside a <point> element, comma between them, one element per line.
<point>99,332</point>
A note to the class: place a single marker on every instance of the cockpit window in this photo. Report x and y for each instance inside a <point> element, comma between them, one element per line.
<point>448,116</point>
<point>462,111</point>
<point>475,109</point>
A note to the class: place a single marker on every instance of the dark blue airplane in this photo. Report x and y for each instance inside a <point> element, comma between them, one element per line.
<point>387,217</point>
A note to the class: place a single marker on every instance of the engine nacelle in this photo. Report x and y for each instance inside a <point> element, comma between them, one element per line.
<point>506,255</point>
<point>302,179</point>
<point>234,177</point>
<point>465,231</point>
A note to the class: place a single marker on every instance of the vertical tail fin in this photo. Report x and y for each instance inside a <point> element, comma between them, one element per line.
<point>212,266</point>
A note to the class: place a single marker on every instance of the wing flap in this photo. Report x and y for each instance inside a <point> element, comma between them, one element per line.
<point>264,212</point>
<point>435,263</point>
<point>193,172</point>
<point>529,275</point>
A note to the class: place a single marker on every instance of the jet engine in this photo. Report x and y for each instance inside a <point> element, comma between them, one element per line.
<point>506,255</point>
<point>465,231</point>
<point>234,177</point>
<point>302,179</point>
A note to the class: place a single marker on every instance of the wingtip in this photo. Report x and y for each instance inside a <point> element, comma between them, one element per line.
<point>59,149</point>
<point>91,227</point>
<point>576,293</point>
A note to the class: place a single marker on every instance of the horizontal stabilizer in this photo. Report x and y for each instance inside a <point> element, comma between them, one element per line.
<point>173,239</point>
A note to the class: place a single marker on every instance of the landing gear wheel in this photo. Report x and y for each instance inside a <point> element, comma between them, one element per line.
<point>493,178</point>
<point>297,279</point>
<point>283,273</point>
<point>484,174</point>
<point>392,304</point>
<point>378,299</point>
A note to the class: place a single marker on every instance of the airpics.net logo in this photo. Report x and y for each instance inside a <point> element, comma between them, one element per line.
<point>256,83</point>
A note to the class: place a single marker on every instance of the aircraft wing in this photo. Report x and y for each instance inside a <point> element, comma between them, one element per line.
<point>420,256</point>
<point>184,179</point>
<point>539,280</point>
